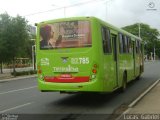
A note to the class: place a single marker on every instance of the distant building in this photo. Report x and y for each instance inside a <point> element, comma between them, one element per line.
<point>32,30</point>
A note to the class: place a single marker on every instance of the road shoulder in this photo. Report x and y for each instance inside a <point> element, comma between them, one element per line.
<point>147,103</point>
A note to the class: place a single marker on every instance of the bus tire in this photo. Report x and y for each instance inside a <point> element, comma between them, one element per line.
<point>124,82</point>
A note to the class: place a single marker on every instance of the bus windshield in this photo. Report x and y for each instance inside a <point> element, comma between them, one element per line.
<point>68,34</point>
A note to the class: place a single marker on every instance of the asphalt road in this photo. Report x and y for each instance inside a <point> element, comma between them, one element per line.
<point>23,97</point>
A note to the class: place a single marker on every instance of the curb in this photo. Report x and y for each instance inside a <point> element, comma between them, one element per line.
<point>143,94</point>
<point>17,78</point>
<point>132,104</point>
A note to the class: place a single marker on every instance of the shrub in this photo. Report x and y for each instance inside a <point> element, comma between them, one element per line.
<point>24,73</point>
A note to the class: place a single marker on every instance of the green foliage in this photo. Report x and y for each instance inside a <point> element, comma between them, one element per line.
<point>14,38</point>
<point>31,72</point>
<point>4,26</point>
<point>149,35</point>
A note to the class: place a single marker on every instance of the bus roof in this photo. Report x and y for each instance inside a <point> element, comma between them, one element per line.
<point>86,18</point>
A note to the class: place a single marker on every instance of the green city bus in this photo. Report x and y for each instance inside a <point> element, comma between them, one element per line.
<point>86,54</point>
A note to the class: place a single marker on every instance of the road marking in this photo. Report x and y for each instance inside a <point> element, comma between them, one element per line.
<point>13,108</point>
<point>17,90</point>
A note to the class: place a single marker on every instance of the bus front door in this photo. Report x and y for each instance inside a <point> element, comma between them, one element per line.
<point>134,62</point>
<point>115,57</point>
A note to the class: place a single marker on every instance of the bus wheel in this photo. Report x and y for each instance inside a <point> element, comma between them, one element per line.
<point>124,82</point>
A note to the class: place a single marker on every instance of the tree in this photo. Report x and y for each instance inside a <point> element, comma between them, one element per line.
<point>5,20</point>
<point>149,35</point>
<point>14,36</point>
<point>18,35</point>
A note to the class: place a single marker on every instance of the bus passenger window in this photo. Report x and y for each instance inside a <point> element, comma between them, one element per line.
<point>137,46</point>
<point>106,40</point>
<point>124,43</point>
<point>125,49</point>
<point>141,47</point>
<point>129,47</point>
<point>120,43</point>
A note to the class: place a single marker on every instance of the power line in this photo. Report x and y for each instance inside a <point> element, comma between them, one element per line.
<point>64,7</point>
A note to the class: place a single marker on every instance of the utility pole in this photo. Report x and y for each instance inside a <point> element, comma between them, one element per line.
<point>152,7</point>
<point>139,29</point>
<point>33,57</point>
<point>154,53</point>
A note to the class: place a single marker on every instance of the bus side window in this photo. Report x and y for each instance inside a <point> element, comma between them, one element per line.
<point>129,45</point>
<point>137,46</point>
<point>125,46</point>
<point>120,43</point>
<point>106,40</point>
<point>141,48</point>
<point>123,43</point>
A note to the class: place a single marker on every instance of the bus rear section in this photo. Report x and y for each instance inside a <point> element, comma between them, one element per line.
<point>66,58</point>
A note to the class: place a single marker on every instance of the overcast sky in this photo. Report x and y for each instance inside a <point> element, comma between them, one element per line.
<point>117,12</point>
